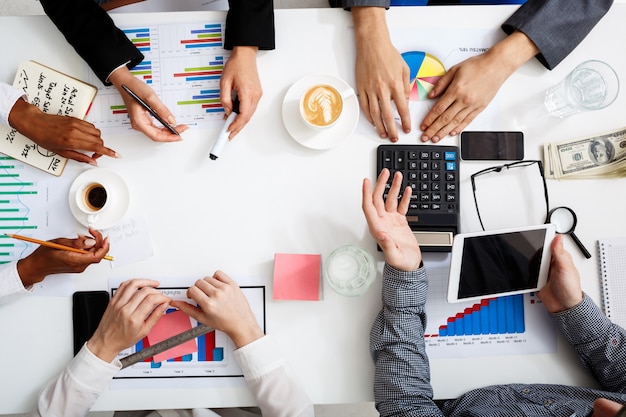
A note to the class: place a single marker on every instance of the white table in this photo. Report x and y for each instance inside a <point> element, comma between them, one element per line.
<point>268,194</point>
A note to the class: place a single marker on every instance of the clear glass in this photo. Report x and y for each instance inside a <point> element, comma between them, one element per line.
<point>350,270</point>
<point>592,85</point>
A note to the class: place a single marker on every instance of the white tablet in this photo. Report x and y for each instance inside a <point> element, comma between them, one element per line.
<point>501,262</point>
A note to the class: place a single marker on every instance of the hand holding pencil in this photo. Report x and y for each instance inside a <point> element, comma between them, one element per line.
<point>74,257</point>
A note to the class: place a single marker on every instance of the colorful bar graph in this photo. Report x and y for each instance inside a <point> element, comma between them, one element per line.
<point>213,71</point>
<point>140,37</point>
<point>143,71</point>
<point>118,109</point>
<point>502,315</point>
<point>210,36</point>
<point>208,100</point>
<point>207,351</point>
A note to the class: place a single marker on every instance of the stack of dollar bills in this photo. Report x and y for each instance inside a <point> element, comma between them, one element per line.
<point>600,156</point>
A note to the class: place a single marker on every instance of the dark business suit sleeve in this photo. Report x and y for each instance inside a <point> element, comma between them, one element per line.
<point>94,36</point>
<point>250,23</point>
<point>556,26</point>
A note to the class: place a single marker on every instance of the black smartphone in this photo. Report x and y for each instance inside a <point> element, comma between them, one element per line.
<point>87,310</point>
<point>492,146</point>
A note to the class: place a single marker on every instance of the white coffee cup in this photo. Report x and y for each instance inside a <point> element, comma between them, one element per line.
<point>93,199</point>
<point>321,106</point>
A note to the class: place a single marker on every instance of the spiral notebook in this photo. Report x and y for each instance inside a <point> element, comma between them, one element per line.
<point>613,277</point>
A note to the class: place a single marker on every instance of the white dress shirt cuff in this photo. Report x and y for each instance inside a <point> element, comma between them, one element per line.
<point>121,66</point>
<point>8,96</point>
<point>258,358</point>
<point>90,371</point>
<point>10,283</point>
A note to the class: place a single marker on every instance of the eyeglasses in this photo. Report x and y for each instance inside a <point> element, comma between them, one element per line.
<point>506,167</point>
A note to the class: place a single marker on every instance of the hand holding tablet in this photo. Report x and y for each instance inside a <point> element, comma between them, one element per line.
<point>502,262</point>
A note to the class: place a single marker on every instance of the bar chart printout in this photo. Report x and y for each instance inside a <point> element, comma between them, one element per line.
<point>213,357</point>
<point>18,193</point>
<point>508,325</point>
<point>183,64</point>
<point>503,315</point>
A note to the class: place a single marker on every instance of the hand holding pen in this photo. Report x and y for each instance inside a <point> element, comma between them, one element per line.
<point>150,110</point>
<point>140,115</point>
<point>74,256</point>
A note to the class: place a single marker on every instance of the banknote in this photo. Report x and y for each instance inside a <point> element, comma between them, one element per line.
<point>603,155</point>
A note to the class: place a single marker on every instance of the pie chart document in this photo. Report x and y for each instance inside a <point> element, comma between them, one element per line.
<point>424,71</point>
<point>429,53</point>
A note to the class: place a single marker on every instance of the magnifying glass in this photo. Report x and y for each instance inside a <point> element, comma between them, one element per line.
<point>564,219</point>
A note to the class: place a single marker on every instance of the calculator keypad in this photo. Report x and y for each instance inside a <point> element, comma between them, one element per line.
<point>432,176</point>
<point>432,173</point>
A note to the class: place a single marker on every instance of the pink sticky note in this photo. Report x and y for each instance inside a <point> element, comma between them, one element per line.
<point>170,325</point>
<point>296,277</point>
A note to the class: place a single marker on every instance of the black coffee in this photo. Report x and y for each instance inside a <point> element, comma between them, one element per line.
<point>96,196</point>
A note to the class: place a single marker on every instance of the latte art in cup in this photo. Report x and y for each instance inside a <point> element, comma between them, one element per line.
<point>321,105</point>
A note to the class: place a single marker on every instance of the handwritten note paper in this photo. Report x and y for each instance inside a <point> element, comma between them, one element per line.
<point>170,325</point>
<point>296,277</point>
<point>130,241</point>
<point>53,93</point>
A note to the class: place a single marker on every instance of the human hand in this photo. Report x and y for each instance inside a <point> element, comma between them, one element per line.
<point>140,118</point>
<point>133,311</point>
<point>46,261</point>
<point>469,86</point>
<point>387,222</point>
<point>382,76</point>
<point>603,407</point>
<point>467,89</point>
<point>222,306</point>
<point>63,135</point>
<point>562,291</point>
<point>241,75</point>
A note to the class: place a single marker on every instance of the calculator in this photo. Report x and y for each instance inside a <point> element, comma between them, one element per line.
<point>432,172</point>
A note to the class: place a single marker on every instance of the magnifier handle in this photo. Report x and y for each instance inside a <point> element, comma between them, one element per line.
<point>580,245</point>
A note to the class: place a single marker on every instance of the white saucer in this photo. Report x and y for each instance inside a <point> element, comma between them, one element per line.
<point>119,197</point>
<point>320,138</point>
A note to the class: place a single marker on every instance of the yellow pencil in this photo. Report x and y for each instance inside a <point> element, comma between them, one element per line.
<point>52,245</point>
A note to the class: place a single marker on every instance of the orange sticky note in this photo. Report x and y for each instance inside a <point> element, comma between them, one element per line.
<point>170,325</point>
<point>296,277</point>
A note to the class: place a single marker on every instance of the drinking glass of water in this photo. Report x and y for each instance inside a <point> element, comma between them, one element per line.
<point>592,85</point>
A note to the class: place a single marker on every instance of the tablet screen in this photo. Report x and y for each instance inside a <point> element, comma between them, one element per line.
<point>501,263</point>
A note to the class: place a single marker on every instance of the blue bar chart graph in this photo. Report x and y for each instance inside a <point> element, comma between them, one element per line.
<point>508,325</point>
<point>503,315</point>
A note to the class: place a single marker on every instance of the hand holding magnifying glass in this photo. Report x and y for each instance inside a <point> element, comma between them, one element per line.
<point>564,219</point>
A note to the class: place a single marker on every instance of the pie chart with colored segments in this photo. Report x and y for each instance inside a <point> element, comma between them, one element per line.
<point>425,70</point>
